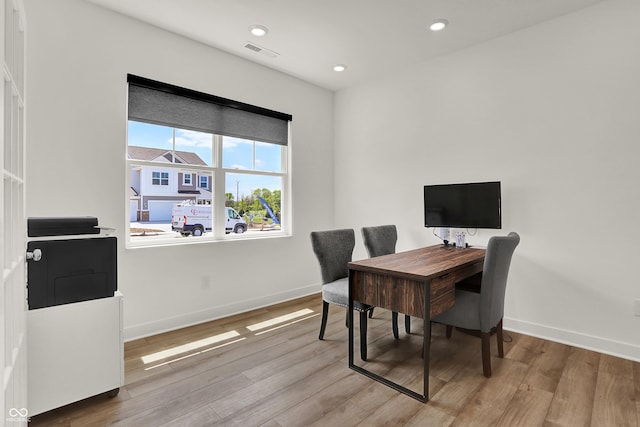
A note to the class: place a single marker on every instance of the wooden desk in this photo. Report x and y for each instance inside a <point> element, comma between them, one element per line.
<point>414,283</point>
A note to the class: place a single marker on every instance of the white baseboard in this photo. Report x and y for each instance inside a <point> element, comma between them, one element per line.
<point>172,323</point>
<point>576,339</point>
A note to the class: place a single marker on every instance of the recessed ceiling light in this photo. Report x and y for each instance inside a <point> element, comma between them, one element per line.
<point>438,24</point>
<point>258,30</point>
<point>339,67</point>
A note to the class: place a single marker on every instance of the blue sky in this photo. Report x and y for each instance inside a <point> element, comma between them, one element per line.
<point>236,154</point>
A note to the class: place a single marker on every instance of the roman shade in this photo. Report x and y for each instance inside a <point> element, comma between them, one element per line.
<point>160,103</point>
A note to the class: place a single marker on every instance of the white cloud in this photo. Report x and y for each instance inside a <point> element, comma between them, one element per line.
<point>230,143</point>
<point>190,138</point>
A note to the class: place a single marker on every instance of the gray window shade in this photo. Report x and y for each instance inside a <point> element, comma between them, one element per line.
<point>163,104</point>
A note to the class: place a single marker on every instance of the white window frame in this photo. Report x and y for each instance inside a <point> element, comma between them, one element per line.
<point>184,178</point>
<point>216,173</point>
<point>160,178</point>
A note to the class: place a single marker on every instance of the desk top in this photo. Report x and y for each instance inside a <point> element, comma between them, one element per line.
<point>421,264</point>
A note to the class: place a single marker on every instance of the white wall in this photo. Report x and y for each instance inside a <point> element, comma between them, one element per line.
<point>552,112</point>
<point>78,56</point>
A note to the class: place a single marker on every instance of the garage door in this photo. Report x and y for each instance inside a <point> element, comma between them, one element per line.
<point>133,210</point>
<point>160,210</point>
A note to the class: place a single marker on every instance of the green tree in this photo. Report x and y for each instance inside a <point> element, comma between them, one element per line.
<point>229,200</point>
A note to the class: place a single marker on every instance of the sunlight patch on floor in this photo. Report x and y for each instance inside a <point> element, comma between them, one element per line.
<point>287,324</point>
<point>279,319</point>
<point>194,345</point>
<point>194,354</point>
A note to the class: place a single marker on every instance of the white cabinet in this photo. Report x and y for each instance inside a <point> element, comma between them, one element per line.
<point>74,351</point>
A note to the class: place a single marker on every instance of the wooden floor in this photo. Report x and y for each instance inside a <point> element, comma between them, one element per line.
<point>223,373</point>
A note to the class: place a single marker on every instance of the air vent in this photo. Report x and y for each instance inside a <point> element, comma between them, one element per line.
<point>262,50</point>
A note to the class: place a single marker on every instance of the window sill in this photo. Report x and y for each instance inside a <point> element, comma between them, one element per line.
<point>151,241</point>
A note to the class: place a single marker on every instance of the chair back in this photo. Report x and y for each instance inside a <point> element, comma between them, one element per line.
<point>494,278</point>
<point>380,240</point>
<point>334,249</point>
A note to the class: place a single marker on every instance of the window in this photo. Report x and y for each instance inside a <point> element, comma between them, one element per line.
<point>218,168</point>
<point>159,178</point>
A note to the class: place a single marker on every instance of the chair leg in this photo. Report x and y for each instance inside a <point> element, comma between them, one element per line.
<point>394,324</point>
<point>323,323</point>
<point>407,323</point>
<point>500,339</point>
<point>371,313</point>
<point>449,331</point>
<point>363,335</point>
<point>486,353</point>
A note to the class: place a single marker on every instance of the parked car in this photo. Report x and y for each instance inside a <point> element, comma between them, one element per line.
<point>188,218</point>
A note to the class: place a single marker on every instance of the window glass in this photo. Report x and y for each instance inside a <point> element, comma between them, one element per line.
<point>194,148</point>
<point>155,143</point>
<point>251,155</point>
<point>237,153</point>
<point>149,136</point>
<point>159,178</point>
<point>258,198</point>
<point>171,202</point>
<point>268,157</point>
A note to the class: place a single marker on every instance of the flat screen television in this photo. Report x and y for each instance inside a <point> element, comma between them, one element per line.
<point>471,205</point>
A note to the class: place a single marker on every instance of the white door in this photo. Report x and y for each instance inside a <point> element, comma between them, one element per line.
<point>133,210</point>
<point>12,216</point>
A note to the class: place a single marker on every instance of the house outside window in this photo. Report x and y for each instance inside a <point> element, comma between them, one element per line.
<point>159,178</point>
<point>240,183</point>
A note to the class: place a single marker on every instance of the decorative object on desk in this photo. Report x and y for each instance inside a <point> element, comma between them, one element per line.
<point>334,249</point>
<point>484,311</point>
<point>444,234</point>
<point>460,239</point>
<point>379,241</point>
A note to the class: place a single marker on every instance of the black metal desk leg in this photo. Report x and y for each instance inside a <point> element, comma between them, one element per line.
<point>427,337</point>
<point>350,317</point>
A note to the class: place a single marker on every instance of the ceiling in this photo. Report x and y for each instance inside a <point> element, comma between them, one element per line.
<point>372,37</point>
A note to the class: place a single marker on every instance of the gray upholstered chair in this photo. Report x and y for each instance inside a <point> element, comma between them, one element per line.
<point>334,249</point>
<point>484,311</point>
<point>381,240</point>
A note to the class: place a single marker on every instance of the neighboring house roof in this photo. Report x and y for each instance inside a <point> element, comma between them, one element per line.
<point>133,192</point>
<point>205,194</point>
<point>151,154</point>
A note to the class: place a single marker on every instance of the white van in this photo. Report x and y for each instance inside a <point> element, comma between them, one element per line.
<point>187,218</point>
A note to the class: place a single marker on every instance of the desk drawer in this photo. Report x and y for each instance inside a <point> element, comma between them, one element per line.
<point>442,293</point>
<point>468,271</point>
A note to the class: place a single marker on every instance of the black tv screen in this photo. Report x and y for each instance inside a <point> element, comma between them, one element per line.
<point>472,205</point>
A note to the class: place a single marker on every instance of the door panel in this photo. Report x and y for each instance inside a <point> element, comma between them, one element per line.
<point>12,215</point>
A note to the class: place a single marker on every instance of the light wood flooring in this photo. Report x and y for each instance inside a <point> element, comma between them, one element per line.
<point>287,377</point>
